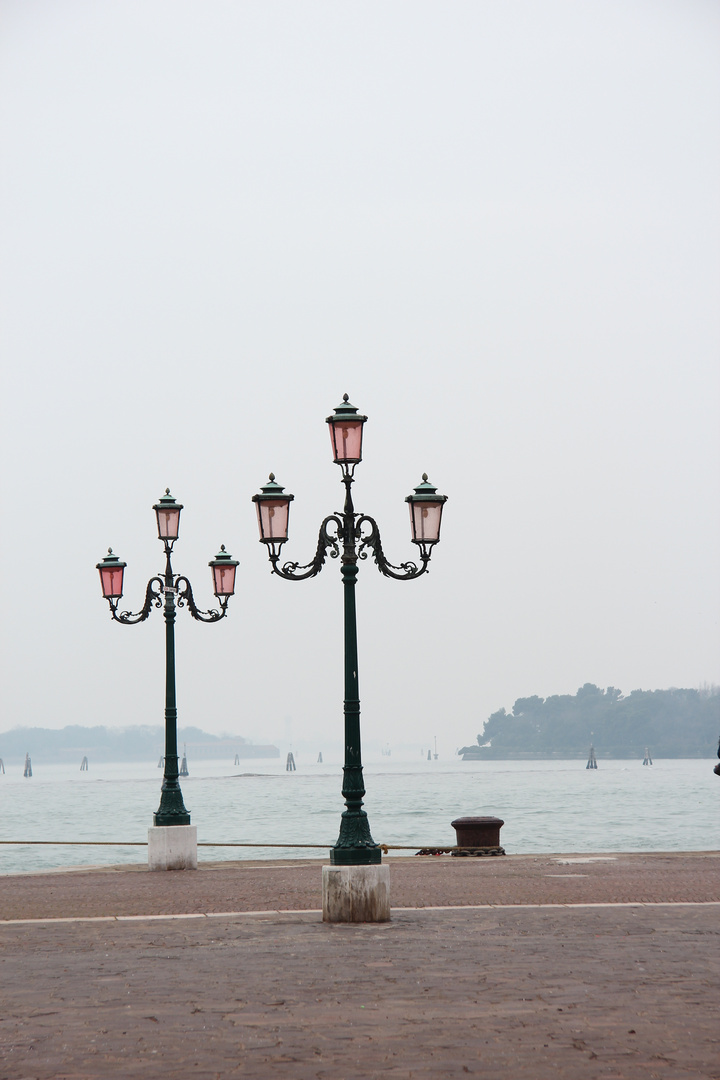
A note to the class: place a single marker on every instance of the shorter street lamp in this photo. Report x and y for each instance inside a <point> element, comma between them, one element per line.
<point>169,591</point>
<point>351,537</point>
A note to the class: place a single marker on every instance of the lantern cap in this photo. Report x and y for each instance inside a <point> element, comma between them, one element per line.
<point>345,411</point>
<point>223,558</point>
<point>110,562</point>
<point>167,502</point>
<point>425,492</point>
<point>272,490</point>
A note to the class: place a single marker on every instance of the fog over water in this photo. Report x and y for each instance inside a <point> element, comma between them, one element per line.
<point>547,806</point>
<point>495,226</point>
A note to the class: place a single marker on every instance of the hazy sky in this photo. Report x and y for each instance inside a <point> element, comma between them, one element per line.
<point>493,224</point>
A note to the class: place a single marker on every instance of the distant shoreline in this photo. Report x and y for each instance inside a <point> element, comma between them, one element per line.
<point>129,744</point>
<point>488,754</point>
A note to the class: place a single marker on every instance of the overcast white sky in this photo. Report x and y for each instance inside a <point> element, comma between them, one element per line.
<point>493,224</point>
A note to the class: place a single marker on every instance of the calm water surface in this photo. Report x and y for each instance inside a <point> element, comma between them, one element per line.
<point>547,806</point>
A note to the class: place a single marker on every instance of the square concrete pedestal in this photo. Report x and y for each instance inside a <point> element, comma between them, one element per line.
<point>172,847</point>
<point>356,893</point>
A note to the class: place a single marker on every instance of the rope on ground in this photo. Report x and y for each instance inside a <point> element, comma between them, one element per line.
<point>385,848</point>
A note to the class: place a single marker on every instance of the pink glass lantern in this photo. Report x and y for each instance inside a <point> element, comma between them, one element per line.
<point>273,512</point>
<point>111,576</point>
<point>346,432</point>
<point>223,568</point>
<point>426,508</point>
<point>168,517</point>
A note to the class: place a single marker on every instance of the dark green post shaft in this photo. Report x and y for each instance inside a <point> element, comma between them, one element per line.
<point>172,809</point>
<point>355,846</point>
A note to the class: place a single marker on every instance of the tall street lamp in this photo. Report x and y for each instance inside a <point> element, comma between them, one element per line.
<point>177,849</point>
<point>351,537</point>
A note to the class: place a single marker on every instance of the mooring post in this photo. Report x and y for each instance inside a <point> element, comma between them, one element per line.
<point>478,835</point>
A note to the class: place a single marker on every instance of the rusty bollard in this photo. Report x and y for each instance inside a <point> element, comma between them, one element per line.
<point>478,835</point>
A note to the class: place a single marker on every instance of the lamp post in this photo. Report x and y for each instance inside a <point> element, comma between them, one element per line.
<point>351,537</point>
<point>169,591</point>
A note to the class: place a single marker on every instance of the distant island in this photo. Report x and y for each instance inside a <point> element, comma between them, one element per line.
<point>139,743</point>
<point>671,723</point>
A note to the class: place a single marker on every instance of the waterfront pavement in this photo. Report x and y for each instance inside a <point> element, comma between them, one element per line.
<point>523,967</point>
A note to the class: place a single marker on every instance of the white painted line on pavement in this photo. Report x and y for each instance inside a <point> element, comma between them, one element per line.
<point>399,910</point>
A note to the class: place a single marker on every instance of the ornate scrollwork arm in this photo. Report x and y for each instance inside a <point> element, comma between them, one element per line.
<point>151,598</point>
<point>368,534</point>
<point>185,596</point>
<point>293,571</point>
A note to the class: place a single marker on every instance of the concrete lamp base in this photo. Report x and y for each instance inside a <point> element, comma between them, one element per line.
<point>172,847</point>
<point>356,893</point>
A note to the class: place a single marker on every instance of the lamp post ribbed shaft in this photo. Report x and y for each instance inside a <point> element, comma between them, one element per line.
<point>355,845</point>
<point>172,809</point>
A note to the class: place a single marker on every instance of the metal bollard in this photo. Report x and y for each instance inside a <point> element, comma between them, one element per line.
<point>478,835</point>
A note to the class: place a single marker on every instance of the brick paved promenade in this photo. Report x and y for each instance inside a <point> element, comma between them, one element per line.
<point>535,967</point>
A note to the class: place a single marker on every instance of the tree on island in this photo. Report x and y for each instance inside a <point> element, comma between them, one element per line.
<point>673,723</point>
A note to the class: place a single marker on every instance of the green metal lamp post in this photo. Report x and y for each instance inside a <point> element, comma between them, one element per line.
<point>351,537</point>
<point>169,591</point>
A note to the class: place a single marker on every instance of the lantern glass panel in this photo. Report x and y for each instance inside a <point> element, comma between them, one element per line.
<point>346,437</point>
<point>425,520</point>
<point>224,580</point>
<point>168,522</point>
<point>111,578</point>
<point>273,518</point>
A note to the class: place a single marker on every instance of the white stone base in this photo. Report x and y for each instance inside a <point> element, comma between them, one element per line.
<point>356,893</point>
<point>172,847</point>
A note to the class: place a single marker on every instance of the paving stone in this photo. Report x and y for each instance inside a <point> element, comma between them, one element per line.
<point>563,992</point>
<point>422,881</point>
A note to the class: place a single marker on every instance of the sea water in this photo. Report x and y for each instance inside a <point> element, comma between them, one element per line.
<point>547,806</point>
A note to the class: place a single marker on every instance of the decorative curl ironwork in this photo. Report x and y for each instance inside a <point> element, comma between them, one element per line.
<point>185,597</point>
<point>370,541</point>
<point>293,571</point>
<point>128,618</point>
